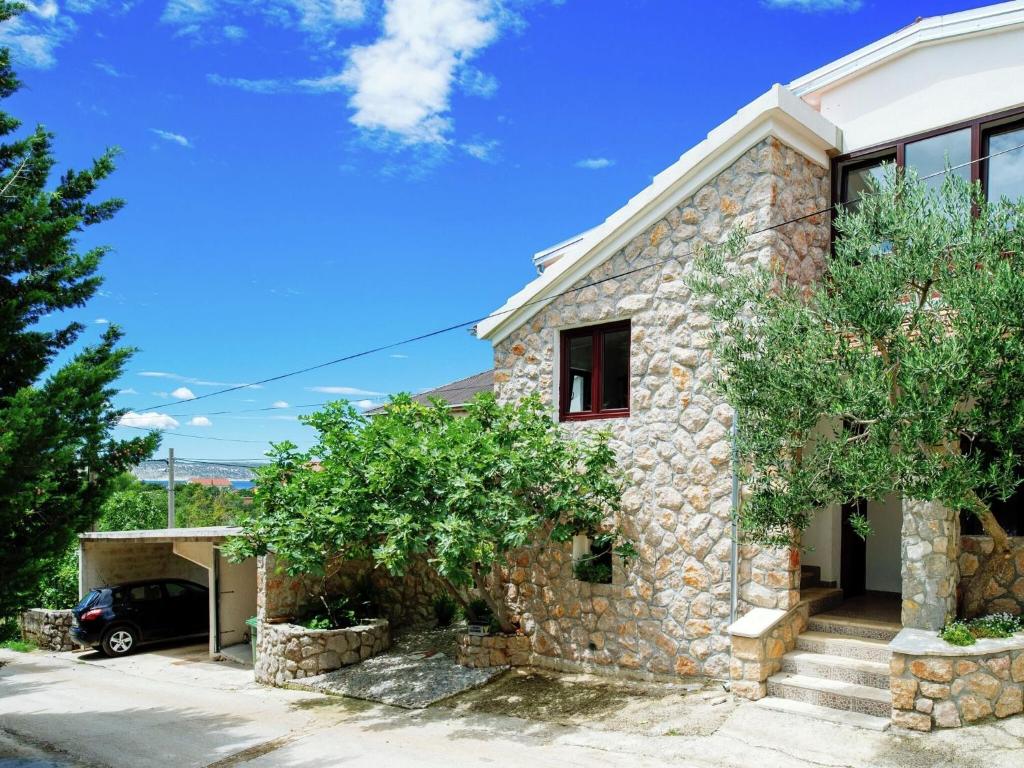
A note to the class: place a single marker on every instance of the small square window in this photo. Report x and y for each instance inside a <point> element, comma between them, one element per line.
<point>595,372</point>
<point>594,565</point>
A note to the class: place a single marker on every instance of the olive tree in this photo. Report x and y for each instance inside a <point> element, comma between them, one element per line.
<point>902,370</point>
<point>418,481</point>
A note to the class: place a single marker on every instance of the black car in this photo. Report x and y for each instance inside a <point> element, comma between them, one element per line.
<point>119,618</point>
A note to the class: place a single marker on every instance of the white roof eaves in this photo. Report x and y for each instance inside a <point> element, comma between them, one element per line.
<point>925,32</point>
<point>775,113</point>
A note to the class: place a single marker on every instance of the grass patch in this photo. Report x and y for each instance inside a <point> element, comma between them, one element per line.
<point>20,646</point>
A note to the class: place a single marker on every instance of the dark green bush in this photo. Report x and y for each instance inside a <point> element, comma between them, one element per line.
<point>593,571</point>
<point>478,612</point>
<point>957,633</point>
<point>445,609</point>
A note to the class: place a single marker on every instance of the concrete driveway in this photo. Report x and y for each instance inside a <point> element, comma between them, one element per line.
<point>171,707</point>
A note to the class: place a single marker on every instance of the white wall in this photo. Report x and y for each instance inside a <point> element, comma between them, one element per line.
<point>237,598</point>
<point>113,562</point>
<point>883,545</point>
<point>821,542</point>
<point>927,88</point>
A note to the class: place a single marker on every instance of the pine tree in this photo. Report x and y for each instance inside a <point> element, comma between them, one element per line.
<point>57,458</point>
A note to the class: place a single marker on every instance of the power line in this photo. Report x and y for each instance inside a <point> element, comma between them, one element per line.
<point>195,437</point>
<point>546,299</point>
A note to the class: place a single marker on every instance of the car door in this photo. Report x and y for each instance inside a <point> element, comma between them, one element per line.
<point>145,605</point>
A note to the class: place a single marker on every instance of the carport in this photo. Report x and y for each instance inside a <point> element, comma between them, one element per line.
<point>112,557</point>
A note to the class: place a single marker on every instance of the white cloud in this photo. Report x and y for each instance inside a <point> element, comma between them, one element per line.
<point>174,138</point>
<point>127,391</point>
<point>200,421</point>
<point>315,85</point>
<point>401,83</point>
<point>594,163</point>
<point>365,405</point>
<point>35,35</point>
<point>812,6</point>
<point>477,83</point>
<point>234,32</point>
<point>150,420</point>
<point>194,380</point>
<point>108,69</point>
<point>316,17</point>
<point>352,391</point>
<point>398,356</point>
<point>482,149</point>
<point>279,404</point>
<point>183,393</point>
<point>101,321</point>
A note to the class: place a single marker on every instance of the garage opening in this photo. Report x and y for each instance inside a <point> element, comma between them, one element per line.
<point>115,557</point>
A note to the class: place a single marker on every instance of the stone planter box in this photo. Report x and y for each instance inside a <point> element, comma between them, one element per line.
<point>938,685</point>
<point>50,630</point>
<point>493,651</point>
<point>287,652</point>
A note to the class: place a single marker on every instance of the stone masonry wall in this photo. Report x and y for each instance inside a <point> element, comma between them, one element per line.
<point>930,547</point>
<point>951,691</point>
<point>288,652</point>
<point>1005,591</point>
<point>406,601</point>
<point>493,651</point>
<point>755,659</point>
<point>50,630</point>
<point>666,612</point>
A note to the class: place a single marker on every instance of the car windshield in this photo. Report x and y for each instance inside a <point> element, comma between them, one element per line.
<point>95,597</point>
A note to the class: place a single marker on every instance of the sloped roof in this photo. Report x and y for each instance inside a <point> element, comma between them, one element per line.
<point>456,393</point>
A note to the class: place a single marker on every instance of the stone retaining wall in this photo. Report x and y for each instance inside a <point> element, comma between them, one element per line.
<point>50,630</point>
<point>493,651</point>
<point>1005,591</point>
<point>759,641</point>
<point>936,685</point>
<point>288,652</point>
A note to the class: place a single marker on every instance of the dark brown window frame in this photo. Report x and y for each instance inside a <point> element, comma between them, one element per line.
<point>564,392</point>
<point>981,128</point>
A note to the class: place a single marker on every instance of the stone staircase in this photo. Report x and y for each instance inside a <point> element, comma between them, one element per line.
<point>839,671</point>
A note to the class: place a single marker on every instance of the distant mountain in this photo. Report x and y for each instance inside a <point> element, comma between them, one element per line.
<point>186,470</point>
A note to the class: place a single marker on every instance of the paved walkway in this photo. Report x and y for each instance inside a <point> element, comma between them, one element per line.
<point>168,708</point>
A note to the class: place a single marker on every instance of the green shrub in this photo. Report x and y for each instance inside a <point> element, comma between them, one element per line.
<point>445,608</point>
<point>18,645</point>
<point>335,613</point>
<point>478,612</point>
<point>957,633</point>
<point>996,625</point>
<point>593,571</point>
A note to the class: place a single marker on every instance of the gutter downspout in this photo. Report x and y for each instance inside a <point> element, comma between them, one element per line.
<point>734,564</point>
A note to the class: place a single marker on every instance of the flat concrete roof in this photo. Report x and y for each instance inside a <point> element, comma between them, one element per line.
<point>164,535</point>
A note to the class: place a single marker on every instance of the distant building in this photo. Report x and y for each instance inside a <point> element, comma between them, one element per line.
<point>457,394</point>
<point>213,482</point>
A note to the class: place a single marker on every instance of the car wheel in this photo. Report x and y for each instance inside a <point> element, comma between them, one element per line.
<point>120,641</point>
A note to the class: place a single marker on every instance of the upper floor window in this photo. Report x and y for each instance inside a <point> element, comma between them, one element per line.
<point>989,150</point>
<point>595,372</point>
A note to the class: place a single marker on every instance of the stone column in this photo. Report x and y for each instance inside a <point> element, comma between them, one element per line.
<point>930,548</point>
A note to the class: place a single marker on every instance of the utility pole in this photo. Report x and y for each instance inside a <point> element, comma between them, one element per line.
<point>170,488</point>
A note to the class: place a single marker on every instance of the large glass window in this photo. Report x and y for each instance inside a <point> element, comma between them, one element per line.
<point>1004,169</point>
<point>860,178</point>
<point>595,372</point>
<point>932,156</point>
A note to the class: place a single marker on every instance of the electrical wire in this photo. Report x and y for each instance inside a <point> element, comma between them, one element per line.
<point>546,299</point>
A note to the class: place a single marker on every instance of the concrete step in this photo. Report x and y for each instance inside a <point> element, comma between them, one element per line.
<point>827,714</point>
<point>858,671</point>
<point>831,693</point>
<point>851,627</point>
<point>865,648</point>
<point>820,599</point>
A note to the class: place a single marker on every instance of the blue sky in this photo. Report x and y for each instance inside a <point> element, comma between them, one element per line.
<point>309,178</point>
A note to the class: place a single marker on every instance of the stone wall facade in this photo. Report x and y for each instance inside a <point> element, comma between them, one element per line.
<point>287,652</point>
<point>1005,591</point>
<point>960,688</point>
<point>50,630</point>
<point>493,651</point>
<point>405,601</point>
<point>756,656</point>
<point>929,552</point>
<point>666,612</point>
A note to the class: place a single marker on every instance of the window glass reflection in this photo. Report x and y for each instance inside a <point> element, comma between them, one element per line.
<point>1006,170</point>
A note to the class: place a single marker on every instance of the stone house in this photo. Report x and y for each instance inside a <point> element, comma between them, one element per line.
<point>609,335</point>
